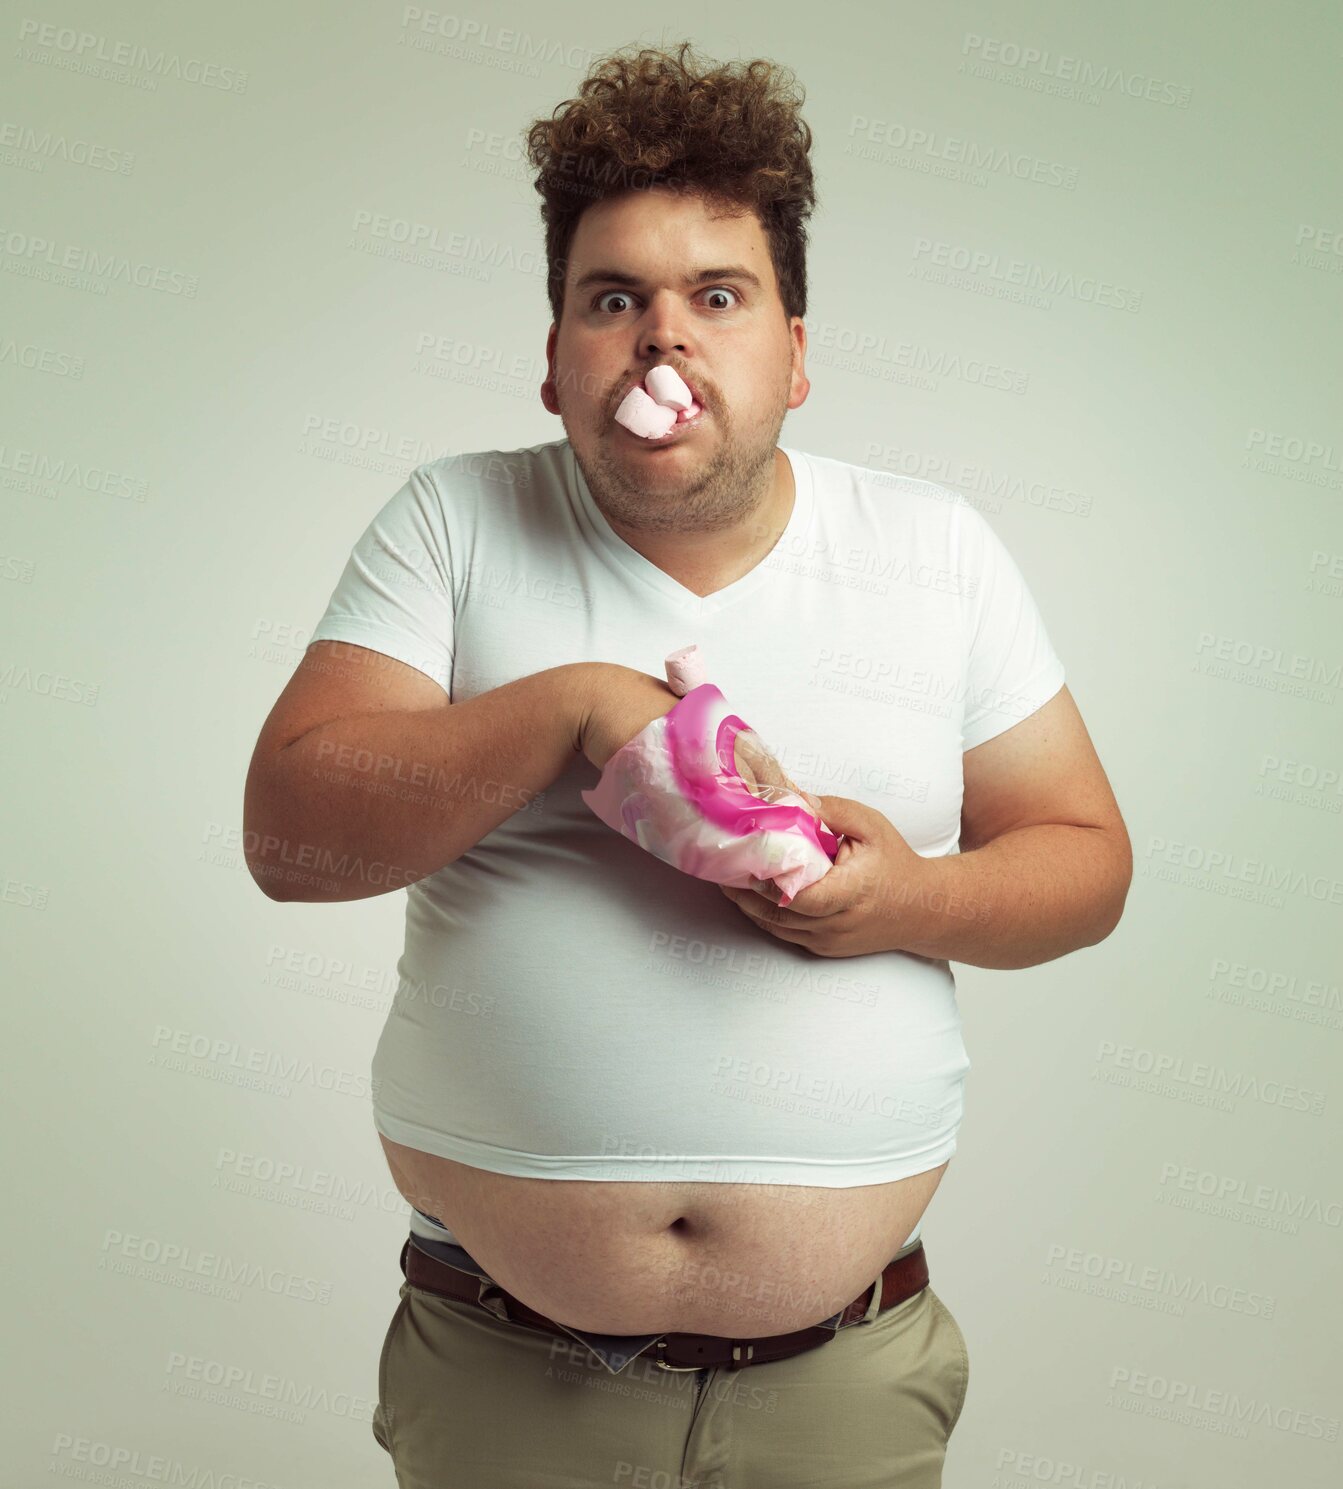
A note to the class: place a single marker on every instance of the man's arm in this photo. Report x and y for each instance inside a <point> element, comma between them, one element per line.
<point>366,778</point>
<point>1045,860</point>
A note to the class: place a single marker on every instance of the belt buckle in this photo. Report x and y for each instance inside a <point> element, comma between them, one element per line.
<point>663,1365</point>
<point>737,1358</point>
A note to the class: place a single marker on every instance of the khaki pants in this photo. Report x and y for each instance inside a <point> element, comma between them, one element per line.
<point>470,1401</point>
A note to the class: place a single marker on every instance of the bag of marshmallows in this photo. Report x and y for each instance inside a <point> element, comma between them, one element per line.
<point>698,790</point>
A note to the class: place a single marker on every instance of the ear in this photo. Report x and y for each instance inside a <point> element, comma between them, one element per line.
<point>548,392</point>
<point>799,384</point>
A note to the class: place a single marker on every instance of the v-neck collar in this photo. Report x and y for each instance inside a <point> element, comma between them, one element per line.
<point>618,551</point>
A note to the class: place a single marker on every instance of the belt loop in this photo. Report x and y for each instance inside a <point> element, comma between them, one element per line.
<point>874,1307</point>
<point>490,1296</point>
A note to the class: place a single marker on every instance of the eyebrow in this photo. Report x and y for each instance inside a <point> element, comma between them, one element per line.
<point>700,276</point>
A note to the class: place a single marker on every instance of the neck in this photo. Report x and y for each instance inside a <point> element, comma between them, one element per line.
<point>705,562</point>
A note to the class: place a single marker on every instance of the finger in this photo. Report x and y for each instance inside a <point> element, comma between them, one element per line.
<point>831,894</point>
<point>772,917</point>
<point>766,769</point>
<point>752,904</point>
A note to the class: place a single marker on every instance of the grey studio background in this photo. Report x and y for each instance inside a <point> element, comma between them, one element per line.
<point>1083,265</point>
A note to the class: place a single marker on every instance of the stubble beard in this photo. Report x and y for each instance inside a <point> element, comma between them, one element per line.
<point>716,488</point>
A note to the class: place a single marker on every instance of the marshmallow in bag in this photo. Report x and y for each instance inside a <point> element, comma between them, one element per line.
<point>676,791</point>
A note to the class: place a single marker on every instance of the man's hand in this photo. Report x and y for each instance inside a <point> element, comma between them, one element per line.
<point>871,898</point>
<point>760,772</point>
<point>619,702</point>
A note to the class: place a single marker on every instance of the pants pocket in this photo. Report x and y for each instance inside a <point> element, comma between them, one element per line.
<point>959,1359</point>
<point>384,1413</point>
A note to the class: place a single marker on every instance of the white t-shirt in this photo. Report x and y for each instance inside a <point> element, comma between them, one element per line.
<point>570,1007</point>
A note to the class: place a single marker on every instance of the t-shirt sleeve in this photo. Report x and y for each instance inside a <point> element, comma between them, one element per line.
<point>395,595</point>
<point>1011,666</point>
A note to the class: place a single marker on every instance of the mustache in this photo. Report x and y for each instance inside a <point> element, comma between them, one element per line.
<point>639,379</point>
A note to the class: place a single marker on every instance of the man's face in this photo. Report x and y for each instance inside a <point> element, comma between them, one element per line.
<point>727,337</point>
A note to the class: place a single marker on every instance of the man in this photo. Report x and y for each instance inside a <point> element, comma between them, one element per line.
<point>668,1146</point>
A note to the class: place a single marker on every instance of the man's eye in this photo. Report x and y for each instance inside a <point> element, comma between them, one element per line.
<point>718,289</point>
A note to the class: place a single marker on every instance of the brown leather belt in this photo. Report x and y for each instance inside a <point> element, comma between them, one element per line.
<point>901,1279</point>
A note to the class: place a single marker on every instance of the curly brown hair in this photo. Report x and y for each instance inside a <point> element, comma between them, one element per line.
<point>731,133</point>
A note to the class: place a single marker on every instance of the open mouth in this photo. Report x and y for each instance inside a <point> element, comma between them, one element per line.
<point>685,419</point>
<point>685,424</point>
<point>694,392</point>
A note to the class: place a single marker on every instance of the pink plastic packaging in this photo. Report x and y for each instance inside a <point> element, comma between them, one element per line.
<point>677,790</point>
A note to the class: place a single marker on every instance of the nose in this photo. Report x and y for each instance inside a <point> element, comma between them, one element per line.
<point>663,329</point>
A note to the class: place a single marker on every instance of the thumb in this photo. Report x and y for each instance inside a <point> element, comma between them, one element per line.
<point>814,802</point>
<point>843,815</point>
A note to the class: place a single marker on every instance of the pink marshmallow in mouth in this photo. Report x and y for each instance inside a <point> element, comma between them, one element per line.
<point>666,387</point>
<point>651,409</point>
<point>642,416</point>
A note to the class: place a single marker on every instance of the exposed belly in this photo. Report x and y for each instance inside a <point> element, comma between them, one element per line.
<point>743,1260</point>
